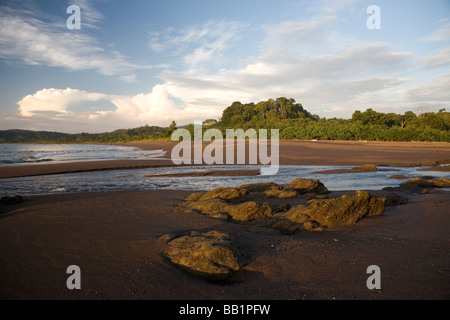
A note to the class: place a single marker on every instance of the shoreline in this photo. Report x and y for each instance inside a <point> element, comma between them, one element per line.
<point>291,152</point>
<point>115,239</point>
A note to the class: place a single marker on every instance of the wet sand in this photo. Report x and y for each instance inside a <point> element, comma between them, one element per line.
<point>114,238</point>
<point>291,152</point>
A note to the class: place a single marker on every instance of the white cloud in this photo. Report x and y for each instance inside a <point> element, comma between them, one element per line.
<point>440,59</point>
<point>197,44</point>
<point>27,39</point>
<point>439,35</point>
<point>55,100</point>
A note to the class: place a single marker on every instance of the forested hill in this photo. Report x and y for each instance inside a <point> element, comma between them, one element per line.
<point>294,122</point>
<point>141,133</point>
<point>289,117</point>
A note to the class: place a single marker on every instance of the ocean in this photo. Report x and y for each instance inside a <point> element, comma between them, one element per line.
<point>148,179</point>
<point>23,154</point>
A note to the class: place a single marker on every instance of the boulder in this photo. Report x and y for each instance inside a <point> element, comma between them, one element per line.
<point>218,193</point>
<point>214,208</point>
<point>426,182</point>
<point>217,208</point>
<point>211,255</point>
<point>327,213</point>
<point>259,187</point>
<point>346,210</point>
<point>282,194</point>
<point>249,211</point>
<point>306,186</point>
<point>392,198</point>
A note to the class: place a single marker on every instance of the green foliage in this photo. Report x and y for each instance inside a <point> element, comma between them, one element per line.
<point>294,122</point>
<point>289,117</point>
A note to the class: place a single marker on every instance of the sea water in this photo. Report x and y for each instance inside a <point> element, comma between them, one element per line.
<point>151,179</point>
<point>23,154</point>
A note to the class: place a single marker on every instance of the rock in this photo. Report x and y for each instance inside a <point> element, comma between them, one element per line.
<point>11,200</point>
<point>211,255</point>
<point>394,199</point>
<point>306,186</point>
<point>218,193</point>
<point>426,182</point>
<point>311,196</point>
<point>259,187</point>
<point>249,211</point>
<point>398,176</point>
<point>346,210</point>
<point>327,213</point>
<point>215,208</point>
<point>282,194</point>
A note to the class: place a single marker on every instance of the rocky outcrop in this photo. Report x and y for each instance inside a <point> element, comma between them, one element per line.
<point>231,204</point>
<point>426,182</point>
<point>212,255</point>
<point>327,213</point>
<point>218,193</point>
<point>217,208</point>
<point>280,193</point>
<point>303,186</point>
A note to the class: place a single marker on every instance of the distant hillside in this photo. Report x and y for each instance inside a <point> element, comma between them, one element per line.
<point>21,136</point>
<point>286,115</point>
<point>122,135</point>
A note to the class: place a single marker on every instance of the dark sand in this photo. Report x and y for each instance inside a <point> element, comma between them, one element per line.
<point>113,238</point>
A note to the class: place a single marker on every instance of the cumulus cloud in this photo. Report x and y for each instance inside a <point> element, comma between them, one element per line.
<point>56,101</point>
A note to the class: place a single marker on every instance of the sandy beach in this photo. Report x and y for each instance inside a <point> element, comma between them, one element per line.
<point>114,237</point>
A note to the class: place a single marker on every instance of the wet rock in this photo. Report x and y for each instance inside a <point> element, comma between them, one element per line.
<point>259,187</point>
<point>392,198</point>
<point>217,208</point>
<point>327,213</point>
<point>306,186</point>
<point>426,182</point>
<point>282,194</point>
<point>212,255</point>
<point>249,211</point>
<point>218,193</point>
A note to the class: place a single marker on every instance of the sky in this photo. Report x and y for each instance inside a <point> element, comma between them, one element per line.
<point>139,62</point>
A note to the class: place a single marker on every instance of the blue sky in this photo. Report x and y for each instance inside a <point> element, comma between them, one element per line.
<point>150,62</point>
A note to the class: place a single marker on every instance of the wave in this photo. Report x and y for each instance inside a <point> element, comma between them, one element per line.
<point>29,154</point>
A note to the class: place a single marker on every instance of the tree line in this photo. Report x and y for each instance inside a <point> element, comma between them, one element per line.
<point>291,119</point>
